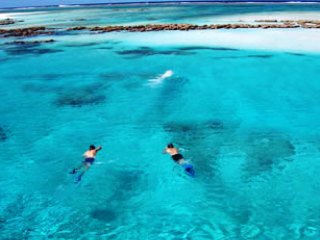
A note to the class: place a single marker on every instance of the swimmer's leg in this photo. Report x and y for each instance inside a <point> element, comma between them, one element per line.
<point>86,167</point>
<point>75,170</point>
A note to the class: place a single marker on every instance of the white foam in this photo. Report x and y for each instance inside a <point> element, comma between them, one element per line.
<point>5,15</point>
<point>20,14</point>
<point>158,80</point>
<point>68,6</point>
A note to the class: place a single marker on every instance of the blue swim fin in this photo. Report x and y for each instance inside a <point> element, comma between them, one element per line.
<point>189,169</point>
<point>77,179</point>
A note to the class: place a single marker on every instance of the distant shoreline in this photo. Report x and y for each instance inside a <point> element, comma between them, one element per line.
<point>160,3</point>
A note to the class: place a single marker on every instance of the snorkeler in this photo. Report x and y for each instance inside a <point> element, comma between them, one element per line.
<point>89,157</point>
<point>178,158</point>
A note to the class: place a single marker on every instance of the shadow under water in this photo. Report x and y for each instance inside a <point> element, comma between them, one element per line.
<point>263,56</point>
<point>85,44</point>
<point>104,214</point>
<point>24,50</point>
<point>78,97</point>
<point>28,47</point>
<point>146,51</point>
<point>199,48</point>
<point>266,150</point>
<point>3,134</point>
<point>127,184</point>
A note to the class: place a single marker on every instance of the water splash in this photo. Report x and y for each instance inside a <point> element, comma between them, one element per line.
<point>158,80</point>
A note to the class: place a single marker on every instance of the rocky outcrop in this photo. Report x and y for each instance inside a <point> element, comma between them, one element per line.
<point>7,21</point>
<point>267,21</point>
<point>76,28</point>
<point>263,24</point>
<point>24,32</point>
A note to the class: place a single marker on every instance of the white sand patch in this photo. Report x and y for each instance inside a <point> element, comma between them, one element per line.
<point>294,40</point>
<point>251,17</point>
<point>298,40</point>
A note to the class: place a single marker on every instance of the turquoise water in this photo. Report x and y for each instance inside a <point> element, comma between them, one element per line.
<point>248,120</point>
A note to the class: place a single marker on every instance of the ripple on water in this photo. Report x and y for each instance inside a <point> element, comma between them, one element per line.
<point>19,217</point>
<point>250,231</point>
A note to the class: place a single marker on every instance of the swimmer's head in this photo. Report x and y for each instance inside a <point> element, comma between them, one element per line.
<point>170,145</point>
<point>92,147</point>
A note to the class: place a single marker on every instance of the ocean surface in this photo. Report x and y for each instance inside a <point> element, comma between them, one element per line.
<point>245,115</point>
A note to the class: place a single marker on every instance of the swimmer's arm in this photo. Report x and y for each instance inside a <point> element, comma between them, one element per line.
<point>165,151</point>
<point>98,148</point>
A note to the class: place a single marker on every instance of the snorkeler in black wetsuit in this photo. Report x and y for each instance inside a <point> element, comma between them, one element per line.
<point>178,158</point>
<point>89,157</point>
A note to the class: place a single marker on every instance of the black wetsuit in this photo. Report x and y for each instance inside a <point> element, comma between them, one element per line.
<point>177,157</point>
<point>89,160</point>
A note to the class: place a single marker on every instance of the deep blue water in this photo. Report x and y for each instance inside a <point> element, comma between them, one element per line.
<point>248,120</point>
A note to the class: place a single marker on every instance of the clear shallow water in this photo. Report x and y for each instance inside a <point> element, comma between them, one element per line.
<point>248,121</point>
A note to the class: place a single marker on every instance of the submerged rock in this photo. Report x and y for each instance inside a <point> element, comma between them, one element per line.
<point>105,215</point>
<point>37,42</point>
<point>116,76</point>
<point>146,51</point>
<point>267,20</point>
<point>79,19</point>
<point>185,127</point>
<point>79,99</point>
<point>3,135</point>
<point>197,48</point>
<point>175,127</point>
<point>29,49</point>
<point>266,150</point>
<point>85,44</point>
<point>7,21</point>
<point>260,56</point>
<point>24,32</point>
